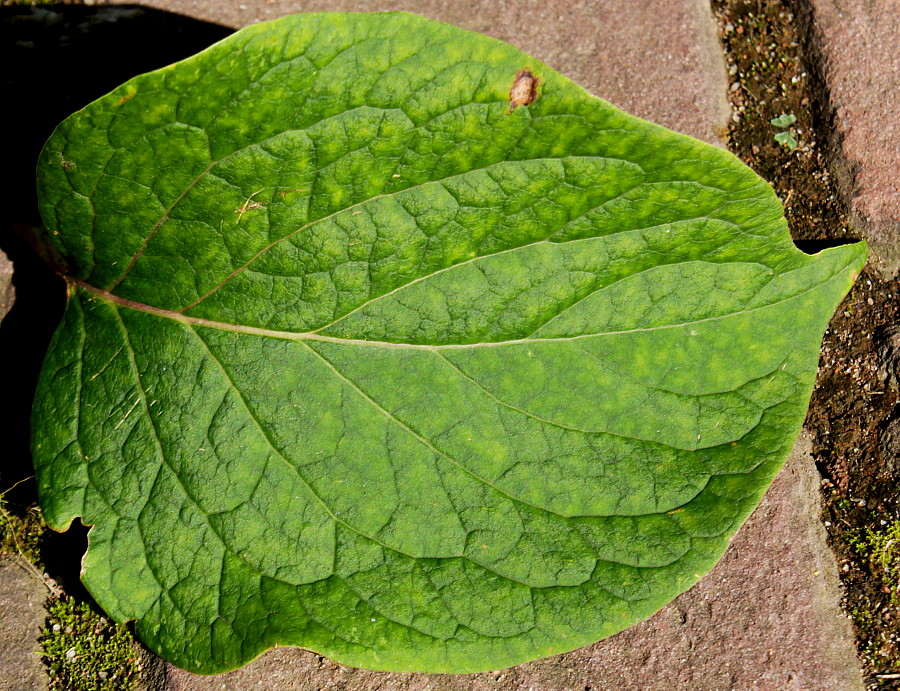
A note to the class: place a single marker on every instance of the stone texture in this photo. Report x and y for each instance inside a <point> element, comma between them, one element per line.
<point>886,340</point>
<point>7,291</point>
<point>859,41</point>
<point>22,615</point>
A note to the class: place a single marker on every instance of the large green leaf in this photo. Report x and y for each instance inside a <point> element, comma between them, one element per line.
<point>369,352</point>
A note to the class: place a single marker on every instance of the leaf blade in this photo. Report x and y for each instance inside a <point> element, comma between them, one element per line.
<point>358,373</point>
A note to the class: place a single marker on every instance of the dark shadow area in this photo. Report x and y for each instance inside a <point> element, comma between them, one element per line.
<point>816,246</point>
<point>61,554</point>
<point>56,59</point>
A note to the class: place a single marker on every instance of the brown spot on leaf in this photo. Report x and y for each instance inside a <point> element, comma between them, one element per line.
<point>524,90</point>
<point>248,206</point>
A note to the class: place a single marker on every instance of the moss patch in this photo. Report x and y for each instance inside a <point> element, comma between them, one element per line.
<point>83,651</point>
<point>878,553</point>
<point>884,552</point>
<point>21,532</point>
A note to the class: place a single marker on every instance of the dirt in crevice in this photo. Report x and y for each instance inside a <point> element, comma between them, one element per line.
<point>774,70</point>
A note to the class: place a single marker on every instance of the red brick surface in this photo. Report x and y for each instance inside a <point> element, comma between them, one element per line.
<point>7,292</point>
<point>860,45</point>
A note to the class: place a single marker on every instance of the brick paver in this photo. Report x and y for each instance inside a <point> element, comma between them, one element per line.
<point>859,42</point>
<point>7,292</point>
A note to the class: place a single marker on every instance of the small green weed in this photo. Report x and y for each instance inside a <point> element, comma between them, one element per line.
<point>786,138</point>
<point>784,120</point>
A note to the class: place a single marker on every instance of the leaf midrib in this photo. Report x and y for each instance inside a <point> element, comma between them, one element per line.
<point>314,336</point>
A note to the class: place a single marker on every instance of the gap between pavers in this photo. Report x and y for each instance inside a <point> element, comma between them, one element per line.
<point>767,617</point>
<point>22,594</point>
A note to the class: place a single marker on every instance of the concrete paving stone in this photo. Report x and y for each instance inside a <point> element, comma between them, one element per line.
<point>860,44</point>
<point>22,615</point>
<point>767,617</point>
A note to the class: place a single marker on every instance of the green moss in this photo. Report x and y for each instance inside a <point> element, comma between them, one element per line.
<point>884,553</point>
<point>878,553</point>
<point>21,532</point>
<point>85,652</point>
